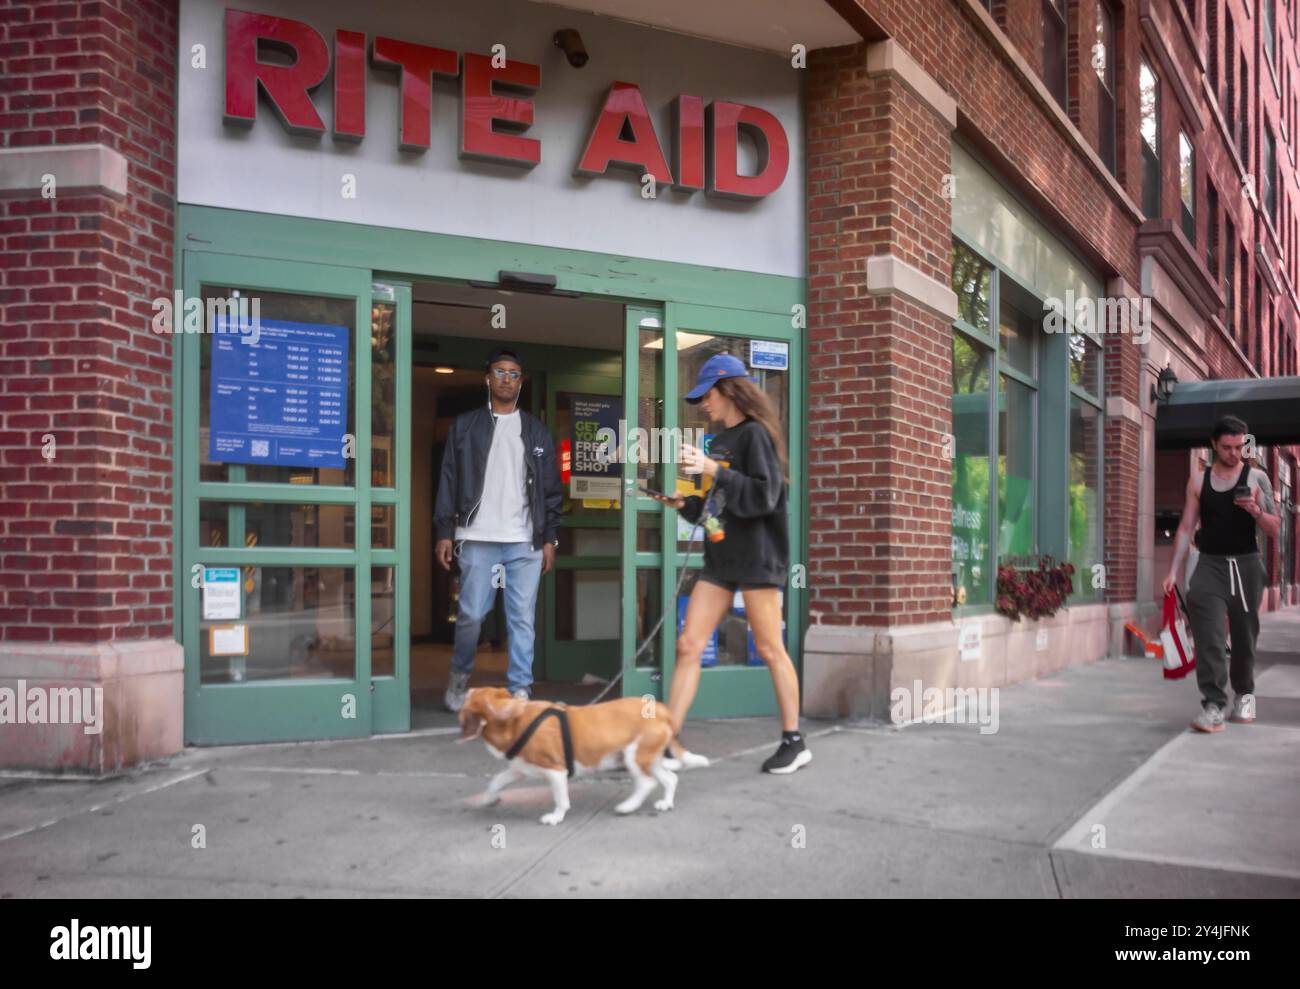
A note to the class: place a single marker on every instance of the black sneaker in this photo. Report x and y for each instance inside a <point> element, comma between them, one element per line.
<point>789,757</point>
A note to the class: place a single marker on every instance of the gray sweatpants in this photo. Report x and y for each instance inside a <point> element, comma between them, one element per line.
<point>1217,588</point>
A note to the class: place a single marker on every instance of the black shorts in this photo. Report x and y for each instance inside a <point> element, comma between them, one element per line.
<point>734,585</point>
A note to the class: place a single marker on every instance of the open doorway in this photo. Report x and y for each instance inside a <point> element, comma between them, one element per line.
<point>572,349</point>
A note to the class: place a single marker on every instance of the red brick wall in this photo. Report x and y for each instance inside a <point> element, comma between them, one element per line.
<point>1016,129</point>
<point>870,193</point>
<point>880,542</point>
<point>85,537</point>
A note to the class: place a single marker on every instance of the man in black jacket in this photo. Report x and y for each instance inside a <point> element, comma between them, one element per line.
<point>499,500</point>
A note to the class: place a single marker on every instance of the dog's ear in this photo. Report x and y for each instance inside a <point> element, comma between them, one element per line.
<point>502,706</point>
<point>471,724</point>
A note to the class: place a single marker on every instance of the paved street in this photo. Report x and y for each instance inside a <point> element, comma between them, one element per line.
<point>1097,752</point>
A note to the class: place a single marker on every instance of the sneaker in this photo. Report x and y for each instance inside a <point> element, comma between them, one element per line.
<point>457,689</point>
<point>1243,709</point>
<point>520,695</point>
<point>788,757</point>
<point>1210,719</point>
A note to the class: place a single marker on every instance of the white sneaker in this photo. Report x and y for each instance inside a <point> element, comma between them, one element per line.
<point>457,690</point>
<point>1243,709</point>
<point>521,695</point>
<point>1210,719</point>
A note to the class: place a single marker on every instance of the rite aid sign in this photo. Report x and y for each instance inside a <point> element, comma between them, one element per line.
<point>496,108</point>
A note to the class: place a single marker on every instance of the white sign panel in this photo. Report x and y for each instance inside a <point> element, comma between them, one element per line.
<point>771,355</point>
<point>221,598</point>
<point>228,640</point>
<point>968,640</point>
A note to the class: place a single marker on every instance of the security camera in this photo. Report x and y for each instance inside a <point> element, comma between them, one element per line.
<point>569,41</point>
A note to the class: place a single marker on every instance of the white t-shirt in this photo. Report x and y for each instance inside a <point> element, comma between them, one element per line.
<point>503,515</point>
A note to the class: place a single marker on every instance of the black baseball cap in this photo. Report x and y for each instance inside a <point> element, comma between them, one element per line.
<point>500,354</point>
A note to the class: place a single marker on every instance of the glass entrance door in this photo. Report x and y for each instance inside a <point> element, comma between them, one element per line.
<point>583,597</point>
<point>662,553</point>
<point>292,594</point>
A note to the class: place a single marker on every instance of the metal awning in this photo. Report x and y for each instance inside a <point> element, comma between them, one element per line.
<point>1270,407</point>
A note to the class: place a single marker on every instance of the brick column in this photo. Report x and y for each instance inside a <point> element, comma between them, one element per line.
<point>880,348</point>
<point>87,175</point>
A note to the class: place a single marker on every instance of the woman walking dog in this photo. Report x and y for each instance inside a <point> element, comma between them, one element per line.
<point>747,547</point>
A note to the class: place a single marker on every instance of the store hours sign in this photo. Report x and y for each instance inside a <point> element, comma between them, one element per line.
<point>279,396</point>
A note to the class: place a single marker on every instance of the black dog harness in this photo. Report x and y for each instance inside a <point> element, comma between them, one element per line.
<point>560,715</point>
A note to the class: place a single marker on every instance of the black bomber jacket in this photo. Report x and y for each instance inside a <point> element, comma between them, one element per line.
<point>464,464</point>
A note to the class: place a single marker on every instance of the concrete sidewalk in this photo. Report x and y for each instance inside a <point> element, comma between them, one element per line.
<point>926,810</point>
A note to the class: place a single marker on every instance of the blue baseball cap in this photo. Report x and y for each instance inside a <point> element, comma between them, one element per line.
<point>716,368</point>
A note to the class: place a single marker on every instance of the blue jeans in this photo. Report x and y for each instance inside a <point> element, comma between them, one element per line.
<point>484,567</point>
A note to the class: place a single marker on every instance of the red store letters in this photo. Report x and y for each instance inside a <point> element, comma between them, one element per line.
<point>495,108</point>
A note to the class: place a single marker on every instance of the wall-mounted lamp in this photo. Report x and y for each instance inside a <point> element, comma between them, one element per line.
<point>1164,386</point>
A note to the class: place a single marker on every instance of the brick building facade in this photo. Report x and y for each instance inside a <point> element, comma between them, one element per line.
<point>933,94</point>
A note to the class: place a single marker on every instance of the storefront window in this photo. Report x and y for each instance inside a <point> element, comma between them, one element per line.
<point>292,623</point>
<point>1015,468</point>
<point>1024,431</point>
<point>587,604</point>
<point>383,621</point>
<point>1017,330</point>
<point>1086,548</point>
<point>1085,363</point>
<point>972,277</point>
<point>383,394</point>
<point>972,566</point>
<point>648,610</point>
<point>650,403</point>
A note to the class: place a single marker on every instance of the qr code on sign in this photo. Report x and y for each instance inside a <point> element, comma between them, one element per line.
<point>261,448</point>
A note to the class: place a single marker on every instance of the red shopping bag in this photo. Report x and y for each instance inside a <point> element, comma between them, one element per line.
<point>1180,653</point>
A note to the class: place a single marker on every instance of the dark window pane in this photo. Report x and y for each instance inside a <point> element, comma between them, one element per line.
<point>1015,468</point>
<point>971,279</point>
<point>971,547</point>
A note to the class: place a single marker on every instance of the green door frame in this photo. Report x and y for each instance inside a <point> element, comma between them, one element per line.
<point>724,690</point>
<point>334,258</point>
<point>284,709</point>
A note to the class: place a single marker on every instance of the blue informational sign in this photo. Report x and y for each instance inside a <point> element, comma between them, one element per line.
<point>279,396</point>
<point>771,354</point>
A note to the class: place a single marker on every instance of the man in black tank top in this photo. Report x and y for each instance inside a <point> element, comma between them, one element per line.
<point>1231,500</point>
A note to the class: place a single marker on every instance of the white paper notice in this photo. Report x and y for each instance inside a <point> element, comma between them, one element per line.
<point>228,640</point>
<point>221,599</point>
<point>968,640</point>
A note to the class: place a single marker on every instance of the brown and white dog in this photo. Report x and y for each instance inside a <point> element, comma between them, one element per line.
<point>638,730</point>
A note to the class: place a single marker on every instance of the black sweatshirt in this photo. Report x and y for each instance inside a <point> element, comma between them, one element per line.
<point>749,499</point>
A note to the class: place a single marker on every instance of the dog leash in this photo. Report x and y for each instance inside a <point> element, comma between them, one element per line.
<point>649,639</point>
